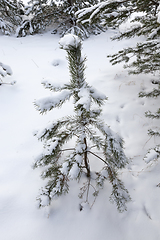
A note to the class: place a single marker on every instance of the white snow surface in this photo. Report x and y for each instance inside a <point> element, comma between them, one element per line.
<point>158,14</point>
<point>31,59</point>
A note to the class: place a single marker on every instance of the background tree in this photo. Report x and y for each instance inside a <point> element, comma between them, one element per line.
<point>62,163</point>
<point>67,22</point>
<point>110,13</point>
<point>40,14</point>
<point>10,15</point>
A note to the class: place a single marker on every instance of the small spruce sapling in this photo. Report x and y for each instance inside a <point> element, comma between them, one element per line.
<point>90,133</point>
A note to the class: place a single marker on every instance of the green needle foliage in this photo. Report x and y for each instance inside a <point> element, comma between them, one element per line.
<point>153,153</point>
<point>62,164</point>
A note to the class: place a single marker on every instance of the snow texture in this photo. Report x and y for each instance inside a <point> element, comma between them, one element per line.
<point>74,171</point>
<point>158,14</point>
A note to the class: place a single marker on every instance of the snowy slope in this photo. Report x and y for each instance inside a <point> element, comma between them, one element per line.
<point>37,58</point>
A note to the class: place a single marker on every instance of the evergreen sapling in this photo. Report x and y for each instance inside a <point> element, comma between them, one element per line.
<point>90,133</point>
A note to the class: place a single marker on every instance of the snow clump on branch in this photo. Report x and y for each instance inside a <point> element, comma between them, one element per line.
<point>69,40</point>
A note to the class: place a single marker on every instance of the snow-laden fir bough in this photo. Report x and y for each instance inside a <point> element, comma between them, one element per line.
<point>5,70</point>
<point>90,133</point>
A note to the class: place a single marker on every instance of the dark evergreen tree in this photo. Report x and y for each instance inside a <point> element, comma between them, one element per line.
<point>40,14</point>
<point>67,22</point>
<point>110,13</point>
<point>10,15</point>
<point>114,13</point>
<point>87,130</point>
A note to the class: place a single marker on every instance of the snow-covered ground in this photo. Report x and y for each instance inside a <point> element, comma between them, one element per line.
<point>37,58</point>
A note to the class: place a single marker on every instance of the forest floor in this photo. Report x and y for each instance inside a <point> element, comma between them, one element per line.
<point>37,58</point>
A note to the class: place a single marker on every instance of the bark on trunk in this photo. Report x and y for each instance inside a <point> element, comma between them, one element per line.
<point>85,160</point>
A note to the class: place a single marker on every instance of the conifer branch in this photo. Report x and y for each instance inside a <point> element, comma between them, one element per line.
<point>97,156</point>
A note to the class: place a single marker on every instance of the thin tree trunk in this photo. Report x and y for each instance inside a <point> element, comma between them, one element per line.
<point>85,160</point>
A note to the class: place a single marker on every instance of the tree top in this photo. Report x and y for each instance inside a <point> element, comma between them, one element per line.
<point>69,40</point>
